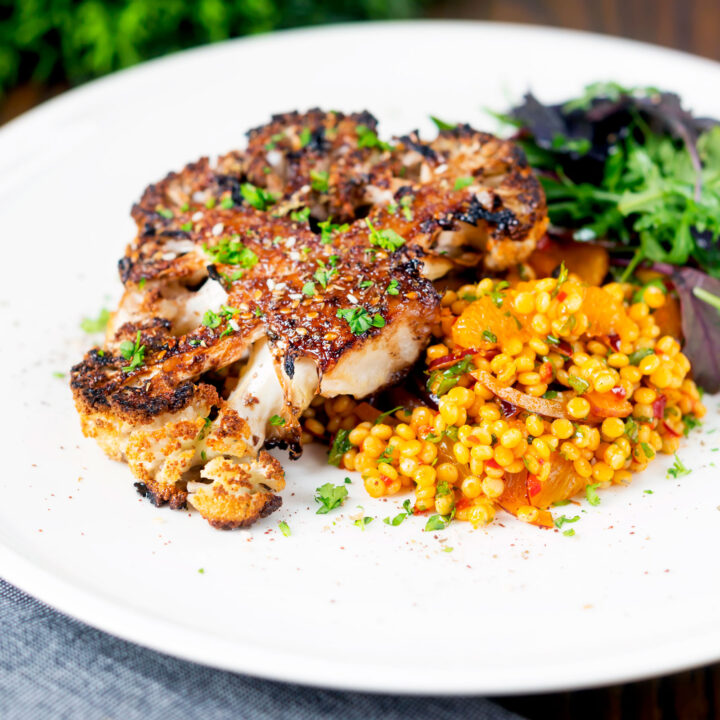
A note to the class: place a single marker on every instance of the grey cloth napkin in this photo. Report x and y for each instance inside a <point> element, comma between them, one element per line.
<point>52,666</point>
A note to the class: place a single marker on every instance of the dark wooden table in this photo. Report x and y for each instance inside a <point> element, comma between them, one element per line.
<point>690,25</point>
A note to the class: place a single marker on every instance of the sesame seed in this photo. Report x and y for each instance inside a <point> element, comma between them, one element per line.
<point>280,286</point>
<point>197,216</point>
<point>270,284</point>
<point>302,331</point>
<point>352,299</point>
<point>217,229</point>
<point>294,255</point>
<point>295,296</point>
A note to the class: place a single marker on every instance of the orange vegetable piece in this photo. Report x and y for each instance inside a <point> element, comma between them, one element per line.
<point>605,405</point>
<point>562,483</point>
<point>516,495</point>
<point>589,262</point>
<point>606,316</point>
<point>482,317</point>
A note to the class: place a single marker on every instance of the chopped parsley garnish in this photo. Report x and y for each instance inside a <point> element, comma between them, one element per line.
<point>552,339</point>
<point>368,138</point>
<point>463,182</point>
<point>340,446</point>
<point>319,180</point>
<point>309,288</point>
<point>579,385</point>
<point>211,319</point>
<point>363,522</point>
<point>360,320</point>
<point>365,284</point>
<point>489,336</point>
<point>437,522</point>
<point>678,469</point>
<point>405,202</point>
<point>648,492</point>
<point>392,288</point>
<point>184,207</point>
<point>564,520</point>
<point>330,497</point>
<point>562,278</point>
<point>323,275</point>
<point>230,251</point>
<point>649,452</point>
<point>387,239</point>
<point>167,214</point>
<point>97,325</point>
<point>210,203</point>
<point>441,381</point>
<point>304,137</point>
<point>327,229</point>
<point>387,413</point>
<point>690,422</point>
<point>58,374</point>
<point>569,533</point>
<point>638,355</point>
<point>401,517</point>
<point>274,140</point>
<point>187,226</point>
<point>443,488</point>
<point>227,203</point>
<point>591,493</point>
<point>284,528</point>
<point>256,196</point>
<point>631,429</point>
<point>441,124</point>
<point>550,394</point>
<point>496,294</point>
<point>300,216</point>
<point>277,421</point>
<point>134,352</point>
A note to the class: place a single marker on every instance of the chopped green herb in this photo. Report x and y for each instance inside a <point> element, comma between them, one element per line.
<point>437,522</point>
<point>284,528</point>
<point>387,413</point>
<point>319,180</point>
<point>591,493</point>
<point>648,492</point>
<point>339,447</point>
<point>631,429</point>
<point>309,288</point>
<point>97,325</point>
<point>562,278</point>
<point>329,497</point>
<point>369,139</point>
<point>569,533</point>
<point>277,420</point>
<point>678,469</point>
<point>327,229</point>
<point>638,355</point>
<point>258,197</point>
<point>579,385</point>
<point>405,202</point>
<point>363,522</point>
<point>392,288</point>
<point>387,239</point>
<point>227,203</point>
<point>323,275</point>
<point>58,374</point>
<point>496,294</point>
<point>201,571</point>
<point>489,336</point>
<point>210,203</point>
<point>550,394</point>
<point>441,124</point>
<point>134,352</point>
<point>463,182</point>
<point>300,216</point>
<point>441,381</point>
<point>167,214</point>
<point>230,251</point>
<point>184,207</point>
<point>211,319</point>
<point>564,520</point>
<point>360,320</point>
<point>690,422</point>
<point>304,137</point>
<point>274,140</point>
<point>649,452</point>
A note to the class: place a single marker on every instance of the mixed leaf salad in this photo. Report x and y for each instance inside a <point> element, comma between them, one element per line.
<point>630,169</point>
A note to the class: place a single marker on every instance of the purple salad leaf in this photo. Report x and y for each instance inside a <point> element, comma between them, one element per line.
<point>700,310</point>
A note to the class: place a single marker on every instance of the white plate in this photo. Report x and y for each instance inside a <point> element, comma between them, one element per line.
<point>511,608</point>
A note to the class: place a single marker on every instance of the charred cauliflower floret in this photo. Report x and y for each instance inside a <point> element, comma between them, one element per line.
<point>298,267</point>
